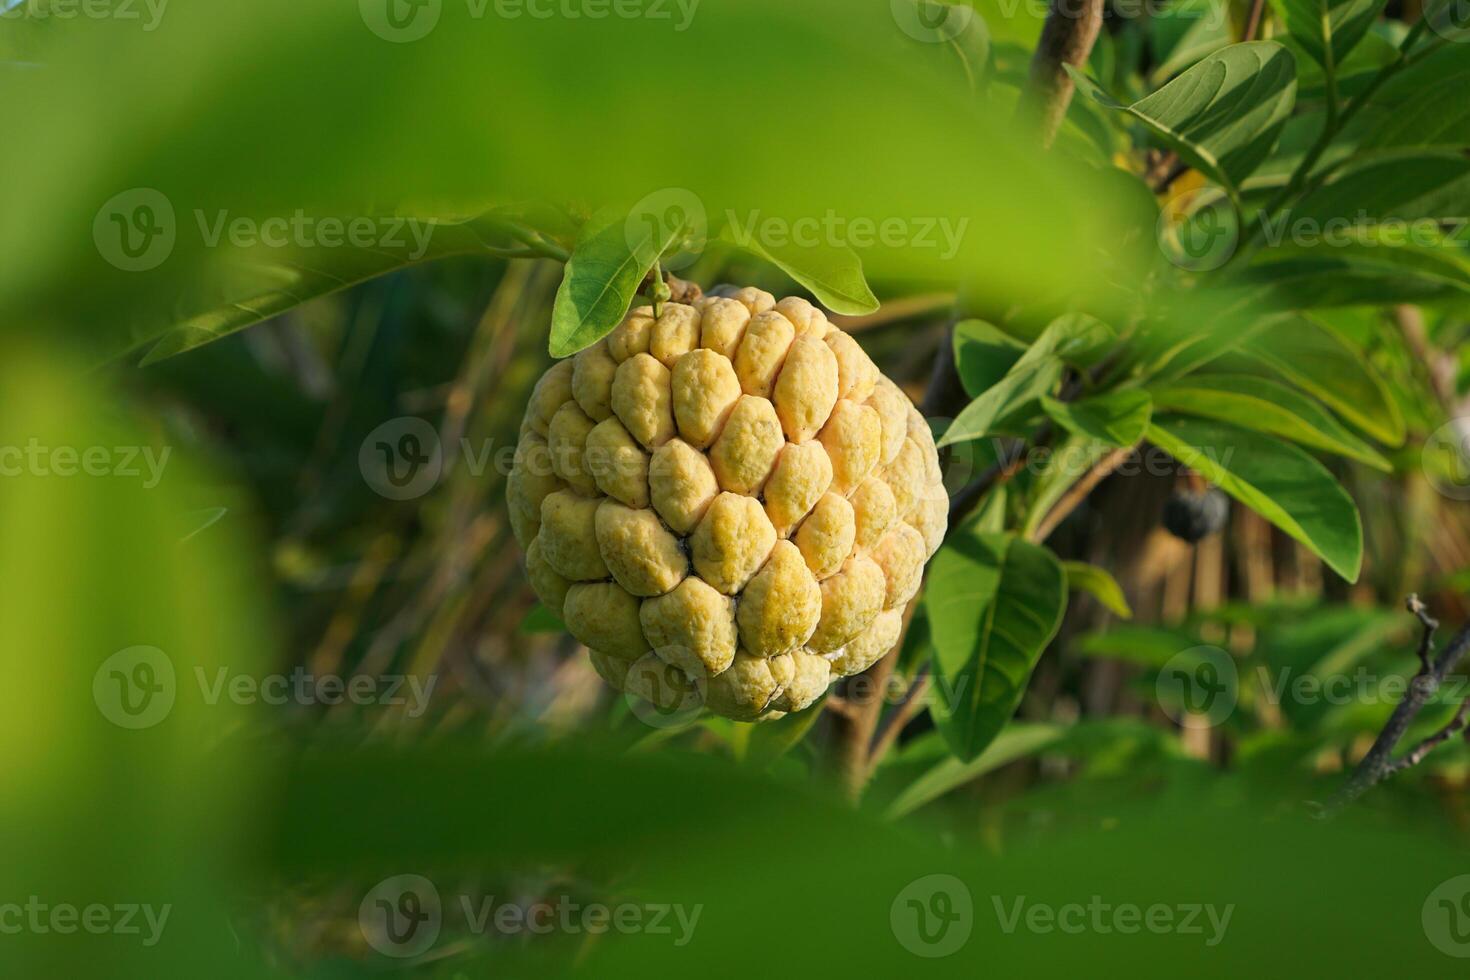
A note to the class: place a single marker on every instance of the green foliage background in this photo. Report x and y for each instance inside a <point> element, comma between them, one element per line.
<point>1314,381</point>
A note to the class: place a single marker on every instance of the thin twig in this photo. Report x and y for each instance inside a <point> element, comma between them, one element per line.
<point>1079,491</point>
<point>1429,744</point>
<point>1253,22</point>
<point>1067,38</point>
<point>1379,763</point>
<point>913,702</point>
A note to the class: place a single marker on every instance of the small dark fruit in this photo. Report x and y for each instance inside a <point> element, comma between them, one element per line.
<point>1192,515</point>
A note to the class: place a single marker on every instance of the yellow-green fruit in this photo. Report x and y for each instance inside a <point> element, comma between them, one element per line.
<point>727,503</point>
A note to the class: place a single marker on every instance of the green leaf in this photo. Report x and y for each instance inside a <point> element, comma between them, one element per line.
<point>983,354</point>
<point>1277,480</point>
<point>1362,272</point>
<point>1070,338</point>
<point>1182,33</point>
<point>990,516</point>
<point>1397,187</point>
<point>768,741</point>
<point>1328,29</point>
<point>1117,418</point>
<point>1318,361</point>
<point>540,619</point>
<point>994,603</point>
<point>1100,584</point>
<point>1025,383</point>
<point>1016,742</point>
<point>1148,646</point>
<point>1266,406</point>
<point>833,273</point>
<point>1223,115</point>
<point>1081,340</point>
<point>614,253</point>
<point>1353,73</point>
<point>252,284</point>
<point>1422,106</point>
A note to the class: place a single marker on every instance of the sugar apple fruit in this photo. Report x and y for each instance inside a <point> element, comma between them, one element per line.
<point>728,504</point>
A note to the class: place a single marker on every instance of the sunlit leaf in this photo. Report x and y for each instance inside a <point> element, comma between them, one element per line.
<point>1275,479</point>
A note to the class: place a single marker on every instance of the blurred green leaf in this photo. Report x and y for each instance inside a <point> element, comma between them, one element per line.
<point>1180,34</point>
<point>1100,584</point>
<point>1016,742</point>
<point>770,740</point>
<point>1150,646</point>
<point>539,619</point>
<point>994,602</point>
<point>125,775</point>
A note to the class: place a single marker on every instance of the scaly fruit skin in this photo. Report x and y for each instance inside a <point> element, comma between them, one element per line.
<point>727,503</point>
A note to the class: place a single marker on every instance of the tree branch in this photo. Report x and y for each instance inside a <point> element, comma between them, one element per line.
<point>1071,30</point>
<point>1379,763</point>
<point>1079,491</point>
<point>912,703</point>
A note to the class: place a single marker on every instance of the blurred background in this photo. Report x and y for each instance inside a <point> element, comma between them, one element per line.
<point>177,597</point>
